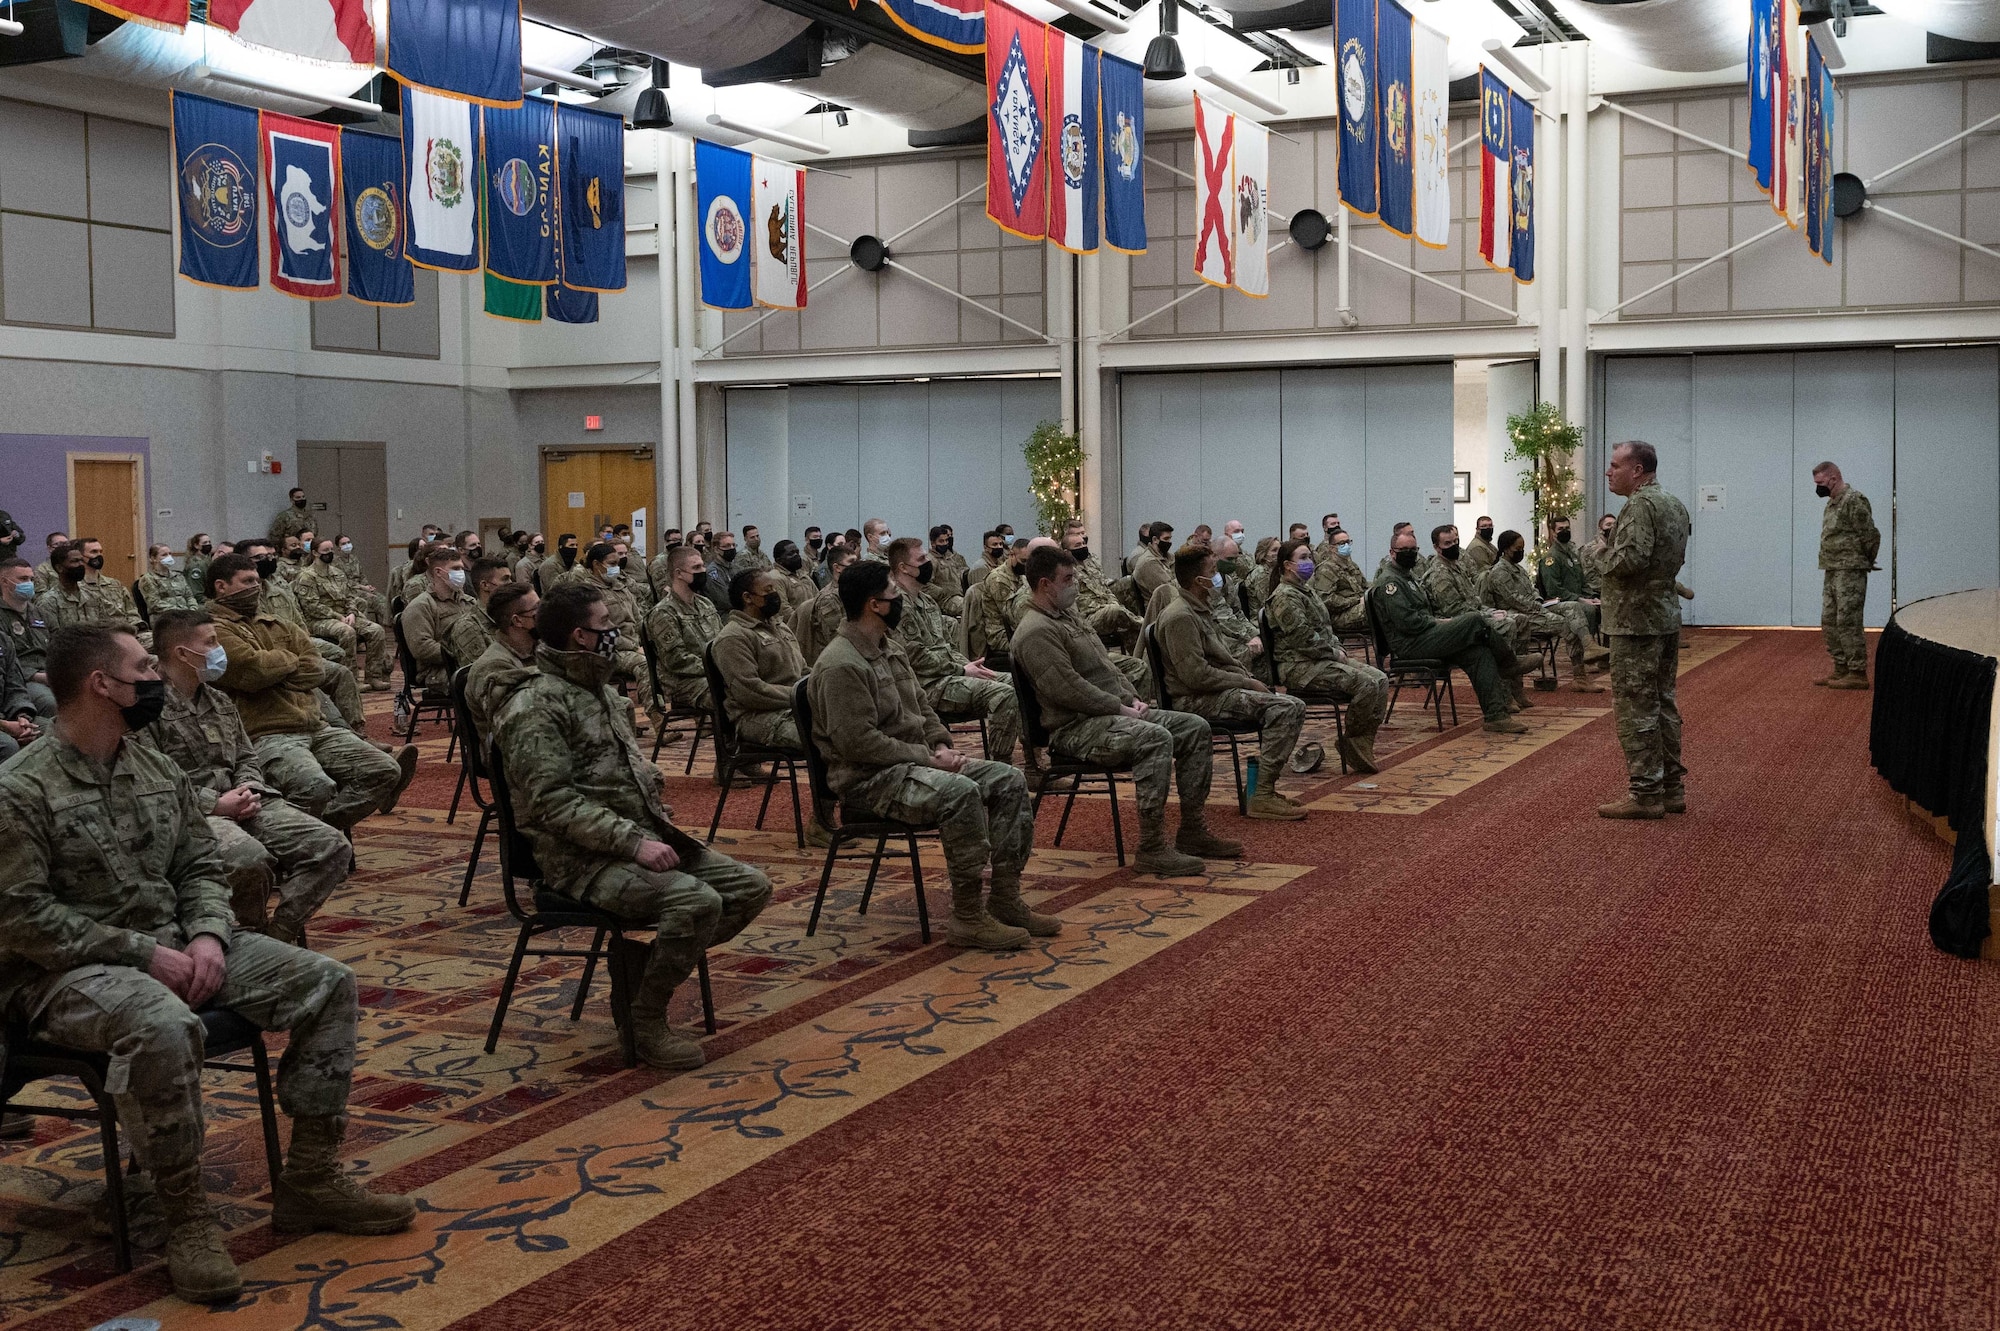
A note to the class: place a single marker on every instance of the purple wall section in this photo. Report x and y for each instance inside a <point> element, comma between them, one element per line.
<point>35,488</point>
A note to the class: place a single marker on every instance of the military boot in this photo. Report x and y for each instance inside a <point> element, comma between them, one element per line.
<point>1596,655</point>
<point>1194,838</point>
<point>1633,807</point>
<point>659,1045</point>
<point>313,1193</point>
<point>1265,804</point>
<point>406,761</point>
<point>1675,800</point>
<point>1157,857</point>
<point>1828,678</point>
<point>816,833</point>
<point>971,926</point>
<point>1853,679</point>
<point>1506,725</point>
<point>1359,752</point>
<point>1005,905</point>
<point>1581,682</point>
<point>197,1260</point>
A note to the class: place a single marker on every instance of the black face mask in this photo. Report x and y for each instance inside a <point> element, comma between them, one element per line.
<point>299,504</point>
<point>266,567</point>
<point>1486,533</point>
<point>994,556</point>
<point>1407,557</point>
<point>149,699</point>
<point>1562,537</point>
<point>925,573</point>
<point>568,553</point>
<point>96,561</point>
<point>1164,547</point>
<point>728,556</point>
<point>1449,552</point>
<point>814,542</point>
<point>1080,554</point>
<point>895,615</point>
<point>770,605</point>
<point>791,561</point>
<point>70,574</point>
<point>208,549</point>
<point>540,547</point>
<point>1823,491</point>
<point>944,547</point>
<point>699,582</point>
<point>1515,556</point>
<point>326,557</point>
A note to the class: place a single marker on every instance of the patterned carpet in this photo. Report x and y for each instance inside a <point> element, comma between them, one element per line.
<point>547,1171</point>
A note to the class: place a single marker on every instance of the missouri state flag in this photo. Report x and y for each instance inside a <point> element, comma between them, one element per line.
<point>333,31</point>
<point>215,183</point>
<point>1017,194</point>
<point>519,152</point>
<point>1214,193</point>
<point>1354,84</point>
<point>469,49</point>
<point>371,186</point>
<point>1496,194</point>
<point>722,220</point>
<point>1075,173</point>
<point>1122,135</point>
<point>778,234</point>
<point>302,193</point>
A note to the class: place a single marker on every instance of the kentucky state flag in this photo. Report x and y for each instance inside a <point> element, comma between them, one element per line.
<point>371,186</point>
<point>215,179</point>
<point>956,25</point>
<point>469,49</point>
<point>519,150</point>
<point>441,181</point>
<point>1396,177</point>
<point>1354,78</point>
<point>1521,183</point>
<point>1496,194</point>
<point>590,162</point>
<point>778,240</point>
<point>1017,196</point>
<point>722,211</point>
<point>302,188</point>
<point>333,31</point>
<point>1122,118</point>
<point>1074,169</point>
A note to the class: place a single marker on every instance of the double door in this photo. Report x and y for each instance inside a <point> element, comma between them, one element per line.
<point>347,493</point>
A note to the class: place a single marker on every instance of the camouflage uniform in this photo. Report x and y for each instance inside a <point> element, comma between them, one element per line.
<point>427,629</point>
<point>100,602</point>
<point>1205,676</point>
<point>470,634</point>
<point>28,637</point>
<point>1848,544</point>
<point>1506,586</point>
<point>1258,584</point>
<point>165,591</point>
<point>1559,566</point>
<point>491,680</point>
<point>1343,587</point>
<point>15,704</point>
<point>101,865</point>
<point>325,597</point>
<point>282,847</point>
<point>587,799</point>
<point>997,615</point>
<point>759,662</point>
<point>1472,642</point>
<point>750,559</point>
<point>679,631</point>
<point>1100,606</point>
<point>277,599</point>
<point>196,576</point>
<point>1480,554</point>
<point>1081,692</point>
<point>1642,617</point>
<point>45,577</point>
<point>878,734</point>
<point>797,589</point>
<point>952,572</point>
<point>1150,572</point>
<point>1311,659</point>
<point>817,622</point>
<point>940,669</point>
<point>291,521</point>
<point>1591,558</point>
<point>628,662</point>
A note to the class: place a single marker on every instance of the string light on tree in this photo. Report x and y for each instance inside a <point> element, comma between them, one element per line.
<point>1055,463</point>
<point>1548,442</point>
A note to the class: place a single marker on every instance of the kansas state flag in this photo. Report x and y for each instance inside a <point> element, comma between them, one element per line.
<point>520,212</point>
<point>590,162</point>
<point>1123,111</point>
<point>1395,119</point>
<point>302,177</point>
<point>722,209</point>
<point>468,49</point>
<point>1017,194</point>
<point>215,166</point>
<point>1354,77</point>
<point>371,185</point>
<point>1521,179</point>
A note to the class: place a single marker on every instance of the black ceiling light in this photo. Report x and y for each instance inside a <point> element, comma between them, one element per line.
<point>1815,11</point>
<point>652,112</point>
<point>1163,53</point>
<point>1309,229</point>
<point>869,254</point>
<point>1850,192</point>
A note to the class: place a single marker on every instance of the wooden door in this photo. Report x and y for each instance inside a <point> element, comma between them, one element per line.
<point>347,491</point>
<point>584,489</point>
<point>104,503</point>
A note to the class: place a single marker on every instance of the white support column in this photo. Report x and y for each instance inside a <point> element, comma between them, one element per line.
<point>1576,236</point>
<point>1090,393</point>
<point>1550,183</point>
<point>687,443</point>
<point>666,458</point>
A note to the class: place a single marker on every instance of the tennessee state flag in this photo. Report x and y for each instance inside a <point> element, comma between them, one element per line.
<point>1017,194</point>
<point>302,182</point>
<point>1214,193</point>
<point>1496,194</point>
<point>1074,168</point>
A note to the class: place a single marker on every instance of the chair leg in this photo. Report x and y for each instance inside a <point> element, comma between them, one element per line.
<point>1395,692</point>
<point>1117,822</point>
<point>1068,804</point>
<point>770,785</point>
<point>1236,765</point>
<point>798,815</point>
<point>707,994</point>
<point>874,868</point>
<point>1340,737</point>
<point>700,729</point>
<point>472,864</point>
<point>589,973</point>
<point>917,877</point>
<point>825,876</point>
<point>260,1059</point>
<point>451,748</point>
<point>456,790</point>
<point>114,1182</point>
<point>727,771</point>
<point>507,987</point>
<point>621,1008</point>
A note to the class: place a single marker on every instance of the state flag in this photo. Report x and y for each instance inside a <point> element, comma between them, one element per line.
<point>468,49</point>
<point>955,25</point>
<point>1122,130</point>
<point>1521,185</point>
<point>302,194</point>
<point>778,238</point>
<point>215,183</point>
<point>1075,173</point>
<point>1017,197</point>
<point>332,31</point>
<point>441,182</point>
<point>151,13</point>
<point>571,307</point>
<point>1773,35</point>
<point>722,213</point>
<point>518,148</point>
<point>1395,165</point>
<point>1816,140</point>
<point>1496,195</point>
<point>1250,247</point>
<point>1354,82</point>
<point>1214,192</point>
<point>590,159</point>
<point>1430,104</point>
<point>371,186</point>
<point>518,302</point>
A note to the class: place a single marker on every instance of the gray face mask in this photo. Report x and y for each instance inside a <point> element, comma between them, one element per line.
<point>1066,597</point>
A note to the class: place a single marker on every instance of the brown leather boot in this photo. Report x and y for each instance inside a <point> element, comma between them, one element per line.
<point>406,760</point>
<point>1581,682</point>
<point>971,925</point>
<point>1005,905</point>
<point>314,1194</point>
<point>1359,751</point>
<point>1851,680</point>
<point>1157,857</point>
<point>1506,725</point>
<point>1194,838</point>
<point>1827,679</point>
<point>197,1260</point>
<point>1632,807</point>
<point>1675,800</point>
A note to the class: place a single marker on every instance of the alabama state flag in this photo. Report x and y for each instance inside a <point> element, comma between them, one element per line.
<point>1017,196</point>
<point>1214,193</point>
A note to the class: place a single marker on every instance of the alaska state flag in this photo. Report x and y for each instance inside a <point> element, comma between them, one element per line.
<point>956,25</point>
<point>215,179</point>
<point>1395,120</point>
<point>1521,183</point>
<point>1017,196</point>
<point>1354,79</point>
<point>520,180</point>
<point>590,162</point>
<point>1074,170</point>
<point>469,49</point>
<point>371,187</point>
<point>1122,117</point>
<point>302,184</point>
<point>722,212</point>
<point>1496,195</point>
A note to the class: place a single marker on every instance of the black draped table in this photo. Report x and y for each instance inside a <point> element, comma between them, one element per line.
<point>1935,737</point>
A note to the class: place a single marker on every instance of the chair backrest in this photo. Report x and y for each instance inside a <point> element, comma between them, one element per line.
<point>718,689</point>
<point>816,778</point>
<point>971,635</point>
<point>1156,659</point>
<point>1382,655</point>
<point>1269,633</point>
<point>139,603</point>
<point>1030,703</point>
<point>517,856</point>
<point>469,751</point>
<point>1243,598</point>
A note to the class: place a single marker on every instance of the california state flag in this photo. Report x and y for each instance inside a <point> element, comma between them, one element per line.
<point>1214,193</point>
<point>777,234</point>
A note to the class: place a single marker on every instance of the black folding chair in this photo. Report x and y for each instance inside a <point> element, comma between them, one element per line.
<point>1062,766</point>
<point>224,1033</point>
<point>139,603</point>
<point>1221,734</point>
<point>412,701</point>
<point>847,826</point>
<point>736,758</point>
<point>1319,702</point>
<point>471,772</point>
<point>1433,675</point>
<point>543,910</point>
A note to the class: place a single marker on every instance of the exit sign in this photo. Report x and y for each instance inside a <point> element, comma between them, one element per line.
<point>593,422</point>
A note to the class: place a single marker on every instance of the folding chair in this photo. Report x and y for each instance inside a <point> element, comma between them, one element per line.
<point>1319,702</point>
<point>411,702</point>
<point>1434,675</point>
<point>1061,765</point>
<point>848,826</point>
<point>471,772</point>
<point>1221,734</point>
<point>735,756</point>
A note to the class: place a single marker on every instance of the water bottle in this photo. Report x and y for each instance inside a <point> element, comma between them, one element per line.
<point>1250,773</point>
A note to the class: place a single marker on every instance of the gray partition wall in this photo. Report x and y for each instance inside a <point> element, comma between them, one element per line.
<point>1273,447</point>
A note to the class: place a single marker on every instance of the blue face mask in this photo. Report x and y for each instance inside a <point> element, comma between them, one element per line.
<point>1216,580</point>
<point>25,590</point>
<point>1345,548</point>
<point>215,664</point>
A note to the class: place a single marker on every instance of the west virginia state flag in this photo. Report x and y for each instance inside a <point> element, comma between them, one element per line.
<point>519,148</point>
<point>441,181</point>
<point>371,186</point>
<point>215,178</point>
<point>1354,78</point>
<point>1017,196</point>
<point>470,49</point>
<point>302,180</point>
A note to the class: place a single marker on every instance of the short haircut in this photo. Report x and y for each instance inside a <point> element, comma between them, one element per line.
<point>1325,518</point>
<point>749,527</point>
<point>1338,530</point>
<point>1075,524</point>
<point>1188,561</point>
<point>245,546</point>
<point>1045,563</point>
<point>501,603</point>
<point>1483,517</point>
<point>563,612</point>
<point>1289,549</point>
<point>680,553</point>
<point>1507,538</point>
<point>1437,533</point>
<point>569,536</point>
<point>1161,528</point>
<point>860,583</point>
<point>788,546</point>
<point>49,542</point>
<point>78,651</point>
<point>903,550</point>
<point>739,586</point>
<point>1644,454</point>
<point>1022,542</point>
<point>1145,531</point>
<point>991,535</point>
<point>1401,526</point>
<point>465,538</point>
<point>598,552</point>
<point>60,555</point>
<point>811,530</point>
<point>173,627</point>
<point>226,567</point>
<point>940,530</point>
<point>440,554</point>
<point>841,556</point>
<point>1825,466</point>
<point>484,566</point>
<point>13,561</point>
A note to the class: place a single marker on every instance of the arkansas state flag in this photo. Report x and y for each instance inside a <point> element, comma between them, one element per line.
<point>1496,194</point>
<point>1122,136</point>
<point>302,192</point>
<point>778,233</point>
<point>1017,195</point>
<point>215,177</point>
<point>1521,183</point>
<point>1074,168</point>
<point>1214,193</point>
<point>469,49</point>
<point>335,31</point>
